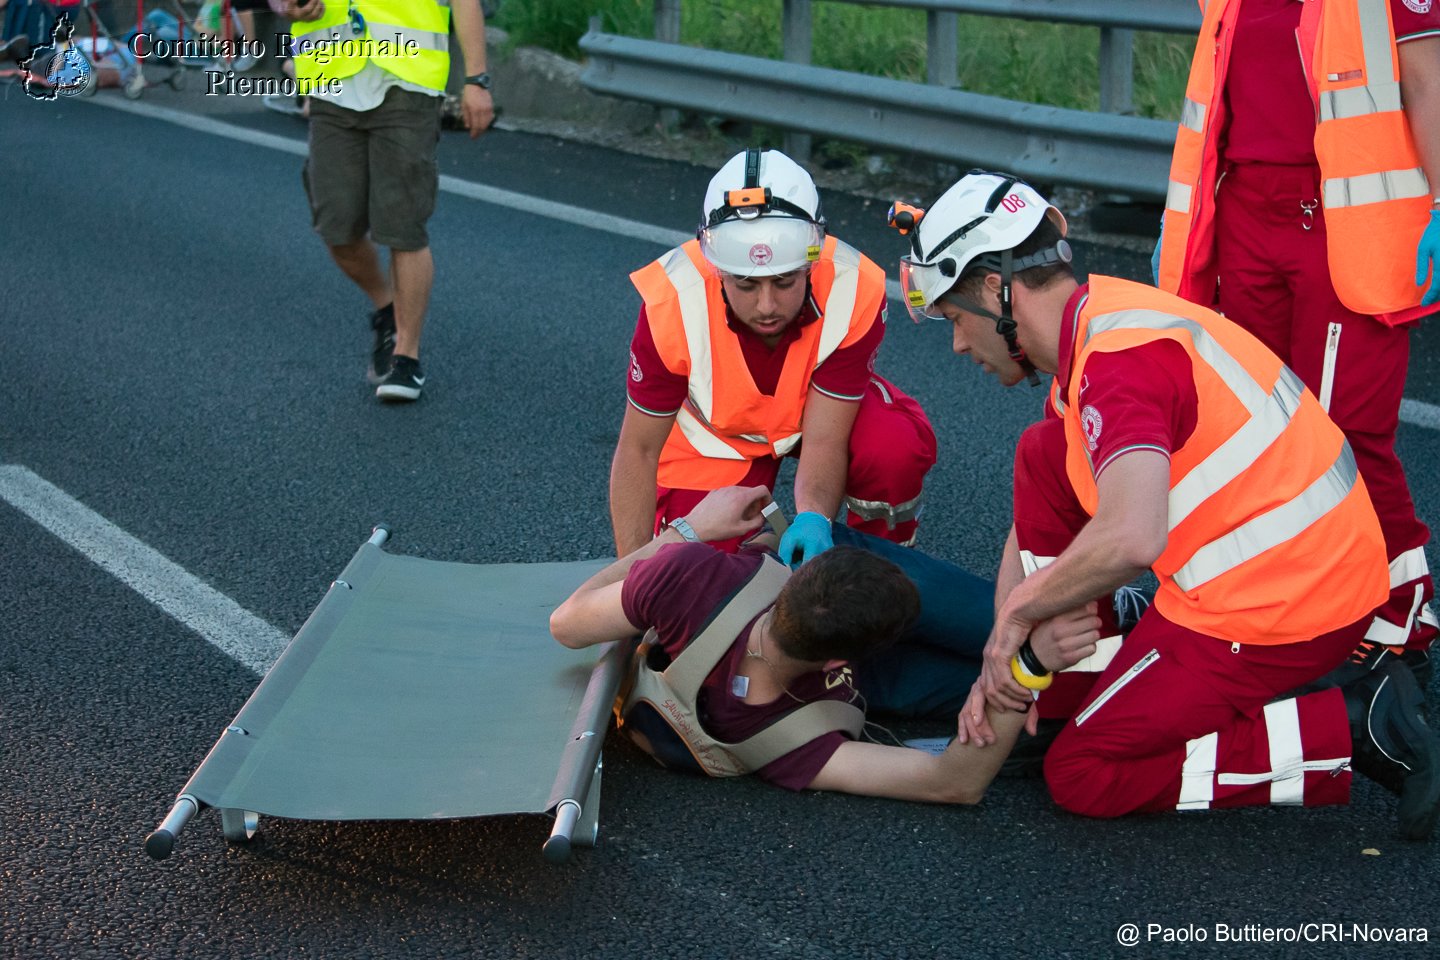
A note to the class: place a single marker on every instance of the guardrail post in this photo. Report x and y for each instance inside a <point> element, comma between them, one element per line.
<point>796,43</point>
<point>942,41</point>
<point>667,21</point>
<point>1117,70</point>
<point>667,30</point>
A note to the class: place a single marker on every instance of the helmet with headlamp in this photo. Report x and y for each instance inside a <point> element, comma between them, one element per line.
<point>977,223</point>
<point>761,216</point>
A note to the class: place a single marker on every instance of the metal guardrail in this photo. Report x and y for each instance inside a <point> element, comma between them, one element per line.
<point>1107,152</point>
<point>1162,16</point>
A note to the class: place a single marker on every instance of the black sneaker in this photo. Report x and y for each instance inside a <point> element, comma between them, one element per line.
<point>1420,664</point>
<point>1393,746</point>
<point>1365,659</point>
<point>1130,605</point>
<point>404,380</point>
<point>382,321</point>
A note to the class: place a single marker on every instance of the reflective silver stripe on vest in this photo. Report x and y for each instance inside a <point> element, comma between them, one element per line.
<point>315,36</point>
<point>1375,188</point>
<point>705,443</point>
<point>333,34</point>
<point>1243,448</point>
<point>695,318</point>
<point>1177,198</point>
<point>1377,41</point>
<point>1359,101</point>
<point>1270,410</point>
<point>892,514</point>
<point>840,304</point>
<point>1192,115</point>
<point>785,444</point>
<point>1272,528</point>
<point>402,36</point>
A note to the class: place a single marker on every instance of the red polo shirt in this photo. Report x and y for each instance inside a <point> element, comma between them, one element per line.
<point>1272,118</point>
<point>1142,398</point>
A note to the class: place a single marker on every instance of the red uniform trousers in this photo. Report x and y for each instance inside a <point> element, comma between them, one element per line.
<point>1275,282</point>
<point>1179,719</point>
<point>892,447</point>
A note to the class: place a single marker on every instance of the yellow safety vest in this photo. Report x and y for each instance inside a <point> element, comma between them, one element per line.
<point>408,38</point>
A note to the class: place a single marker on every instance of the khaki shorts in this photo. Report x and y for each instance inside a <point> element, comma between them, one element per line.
<point>374,171</point>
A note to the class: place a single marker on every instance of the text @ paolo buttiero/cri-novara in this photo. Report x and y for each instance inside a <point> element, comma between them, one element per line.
<point>323,49</point>
<point>1133,934</point>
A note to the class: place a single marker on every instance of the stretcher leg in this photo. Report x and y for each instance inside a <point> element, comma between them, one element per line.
<point>587,830</point>
<point>239,826</point>
<point>577,822</point>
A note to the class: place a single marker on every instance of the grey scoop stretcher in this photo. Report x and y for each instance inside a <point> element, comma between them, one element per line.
<point>418,690</point>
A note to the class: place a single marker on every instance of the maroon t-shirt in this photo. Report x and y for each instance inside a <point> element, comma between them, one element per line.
<point>655,390</point>
<point>676,591</point>
<point>1142,398</point>
<point>1272,118</point>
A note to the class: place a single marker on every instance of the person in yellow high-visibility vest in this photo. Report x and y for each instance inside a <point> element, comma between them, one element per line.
<point>375,73</point>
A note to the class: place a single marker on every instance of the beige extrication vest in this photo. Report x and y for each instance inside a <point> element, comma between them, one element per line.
<point>671,693</point>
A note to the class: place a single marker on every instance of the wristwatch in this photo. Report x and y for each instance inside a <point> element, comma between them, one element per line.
<point>682,527</point>
<point>481,80</point>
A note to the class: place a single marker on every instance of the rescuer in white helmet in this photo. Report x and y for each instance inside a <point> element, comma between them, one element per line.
<point>757,341</point>
<point>1178,445</point>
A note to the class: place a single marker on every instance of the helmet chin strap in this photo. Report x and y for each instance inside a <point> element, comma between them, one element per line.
<point>1004,321</point>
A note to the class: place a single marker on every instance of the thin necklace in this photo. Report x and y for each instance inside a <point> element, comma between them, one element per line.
<point>759,631</point>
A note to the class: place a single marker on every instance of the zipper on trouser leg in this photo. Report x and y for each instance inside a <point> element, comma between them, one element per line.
<point>1327,371</point>
<point>1119,683</point>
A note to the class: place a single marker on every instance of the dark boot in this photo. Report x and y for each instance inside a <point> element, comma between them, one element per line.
<point>1393,746</point>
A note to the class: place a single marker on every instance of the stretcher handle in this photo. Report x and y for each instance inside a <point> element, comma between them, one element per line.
<point>162,841</point>
<point>557,846</point>
<point>379,534</point>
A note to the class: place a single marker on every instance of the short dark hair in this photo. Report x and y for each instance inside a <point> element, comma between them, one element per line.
<point>1044,237</point>
<point>845,604</point>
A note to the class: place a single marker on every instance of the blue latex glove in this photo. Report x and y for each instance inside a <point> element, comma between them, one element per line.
<point>1428,257</point>
<point>809,534</point>
<point>1155,258</point>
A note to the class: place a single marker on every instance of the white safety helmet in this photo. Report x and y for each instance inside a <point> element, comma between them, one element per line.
<point>975,222</point>
<point>761,216</point>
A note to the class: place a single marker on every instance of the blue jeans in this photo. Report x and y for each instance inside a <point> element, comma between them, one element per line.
<point>930,671</point>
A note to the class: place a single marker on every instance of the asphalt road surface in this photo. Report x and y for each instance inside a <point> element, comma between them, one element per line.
<point>183,360</point>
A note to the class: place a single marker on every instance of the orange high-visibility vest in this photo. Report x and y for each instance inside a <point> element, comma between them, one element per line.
<point>1375,195</point>
<point>1272,536</point>
<point>726,422</point>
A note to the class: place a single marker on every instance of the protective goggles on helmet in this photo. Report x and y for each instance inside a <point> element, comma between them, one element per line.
<point>927,275</point>
<point>925,285</point>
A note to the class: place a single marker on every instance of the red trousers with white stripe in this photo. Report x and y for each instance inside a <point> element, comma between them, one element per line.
<point>892,447</point>
<point>1179,719</point>
<point>1275,282</point>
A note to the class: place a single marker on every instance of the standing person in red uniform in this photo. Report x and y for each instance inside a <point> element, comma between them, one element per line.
<point>1184,448</point>
<point>758,334</point>
<point>1304,205</point>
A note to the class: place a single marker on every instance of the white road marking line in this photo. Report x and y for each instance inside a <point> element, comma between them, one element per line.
<point>1420,414</point>
<point>218,620</point>
<point>1415,412</point>
<point>539,206</point>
